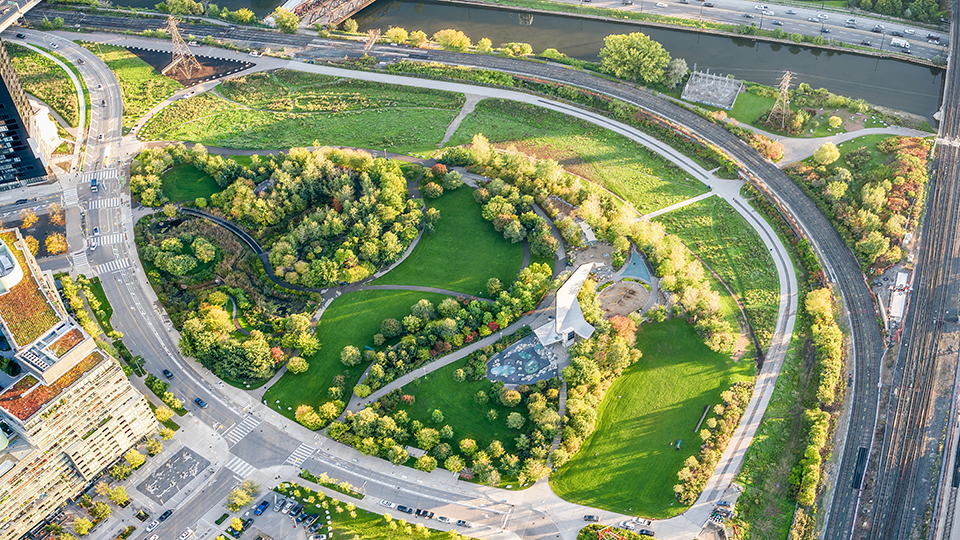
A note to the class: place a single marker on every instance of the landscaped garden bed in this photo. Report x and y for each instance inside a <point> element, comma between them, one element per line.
<point>48,82</point>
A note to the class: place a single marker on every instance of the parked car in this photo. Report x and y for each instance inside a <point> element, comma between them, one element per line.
<point>186,534</point>
<point>628,525</point>
<point>21,36</point>
<point>287,506</point>
<point>247,523</point>
<point>388,504</point>
<point>96,231</point>
<point>153,525</point>
<point>261,507</point>
<point>164,516</point>
<point>279,504</point>
<point>295,511</point>
<point>444,519</point>
<point>591,517</point>
<point>463,523</point>
<point>316,526</point>
<point>425,514</point>
<point>201,403</point>
<point>155,537</point>
<point>22,201</point>
<point>646,532</point>
<point>405,509</point>
<point>302,517</point>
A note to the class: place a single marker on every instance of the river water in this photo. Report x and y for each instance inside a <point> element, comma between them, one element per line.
<point>886,82</point>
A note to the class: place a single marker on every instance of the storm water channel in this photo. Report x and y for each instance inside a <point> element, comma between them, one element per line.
<point>886,82</point>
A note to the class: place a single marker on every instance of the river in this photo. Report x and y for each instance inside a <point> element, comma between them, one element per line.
<point>886,82</point>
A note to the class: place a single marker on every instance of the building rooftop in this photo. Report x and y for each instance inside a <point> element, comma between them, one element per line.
<point>28,395</point>
<point>25,309</point>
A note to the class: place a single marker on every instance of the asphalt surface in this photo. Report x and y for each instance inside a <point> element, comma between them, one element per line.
<point>842,266</point>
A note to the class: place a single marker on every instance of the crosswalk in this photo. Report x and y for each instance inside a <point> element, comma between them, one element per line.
<point>300,455</point>
<point>108,239</point>
<point>112,266</point>
<point>104,174</point>
<point>240,430</point>
<point>70,197</point>
<point>80,261</point>
<point>240,467</point>
<point>96,204</point>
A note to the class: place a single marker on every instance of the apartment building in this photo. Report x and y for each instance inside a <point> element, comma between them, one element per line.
<point>69,413</point>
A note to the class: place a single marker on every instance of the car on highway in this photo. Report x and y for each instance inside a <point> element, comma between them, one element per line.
<point>646,532</point>
<point>683,1</point>
<point>387,504</point>
<point>405,509</point>
<point>877,30</point>
<point>909,31</point>
<point>186,534</point>
<point>896,34</point>
<point>825,30</point>
<point>778,23</point>
<point>850,25</point>
<point>96,231</point>
<point>93,245</point>
<point>261,507</point>
<point>54,45</point>
<point>791,12</point>
<point>279,504</point>
<point>153,525</point>
<point>444,519</point>
<point>81,61</point>
<point>99,87</point>
<point>748,16</point>
<point>167,374</point>
<point>22,201</point>
<point>813,19</point>
<point>708,4</point>
<point>661,4</point>
<point>201,403</point>
<point>822,16</point>
<point>591,517</point>
<point>768,13</point>
<point>21,36</point>
<point>165,515</point>
<point>851,20</point>
<point>866,43</point>
<point>760,7</point>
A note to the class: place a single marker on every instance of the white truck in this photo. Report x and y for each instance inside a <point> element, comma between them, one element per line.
<point>902,43</point>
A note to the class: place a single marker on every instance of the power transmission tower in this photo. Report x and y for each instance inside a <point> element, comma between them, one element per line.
<point>781,109</point>
<point>183,59</point>
<point>372,37</point>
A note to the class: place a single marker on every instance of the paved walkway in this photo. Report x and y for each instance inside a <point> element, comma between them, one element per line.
<point>465,111</point>
<point>672,207</point>
<point>567,515</point>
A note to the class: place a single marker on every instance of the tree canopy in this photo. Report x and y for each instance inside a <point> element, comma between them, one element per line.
<point>634,56</point>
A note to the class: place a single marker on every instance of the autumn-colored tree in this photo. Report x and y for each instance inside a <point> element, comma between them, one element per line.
<point>29,219</point>
<point>56,214</point>
<point>163,413</point>
<point>56,244</point>
<point>625,328</point>
<point>33,244</point>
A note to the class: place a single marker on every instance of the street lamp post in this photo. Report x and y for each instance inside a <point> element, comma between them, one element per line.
<point>761,20</point>
<point>701,13</point>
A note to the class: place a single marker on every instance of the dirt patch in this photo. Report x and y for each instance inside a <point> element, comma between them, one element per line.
<point>623,298</point>
<point>210,68</point>
<point>568,158</point>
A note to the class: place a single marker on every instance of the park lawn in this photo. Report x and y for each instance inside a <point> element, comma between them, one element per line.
<point>185,182</point>
<point>463,252</point>
<point>629,464</point>
<point>47,81</point>
<point>400,130</point>
<point>438,390</point>
<point>767,504</point>
<point>629,169</point>
<point>352,319</point>
<point>712,229</point>
<point>142,87</point>
<point>246,161</point>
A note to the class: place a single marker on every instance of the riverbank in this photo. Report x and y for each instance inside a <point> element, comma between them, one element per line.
<point>548,7</point>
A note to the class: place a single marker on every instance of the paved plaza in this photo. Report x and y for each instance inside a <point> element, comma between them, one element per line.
<point>173,476</point>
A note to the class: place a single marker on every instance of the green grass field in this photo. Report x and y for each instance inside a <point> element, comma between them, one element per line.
<point>629,465</point>
<point>186,183</point>
<point>726,242</point>
<point>334,112</point>
<point>454,399</point>
<point>105,306</point>
<point>47,81</point>
<point>351,319</point>
<point>142,87</point>
<point>624,167</point>
<point>462,254</point>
